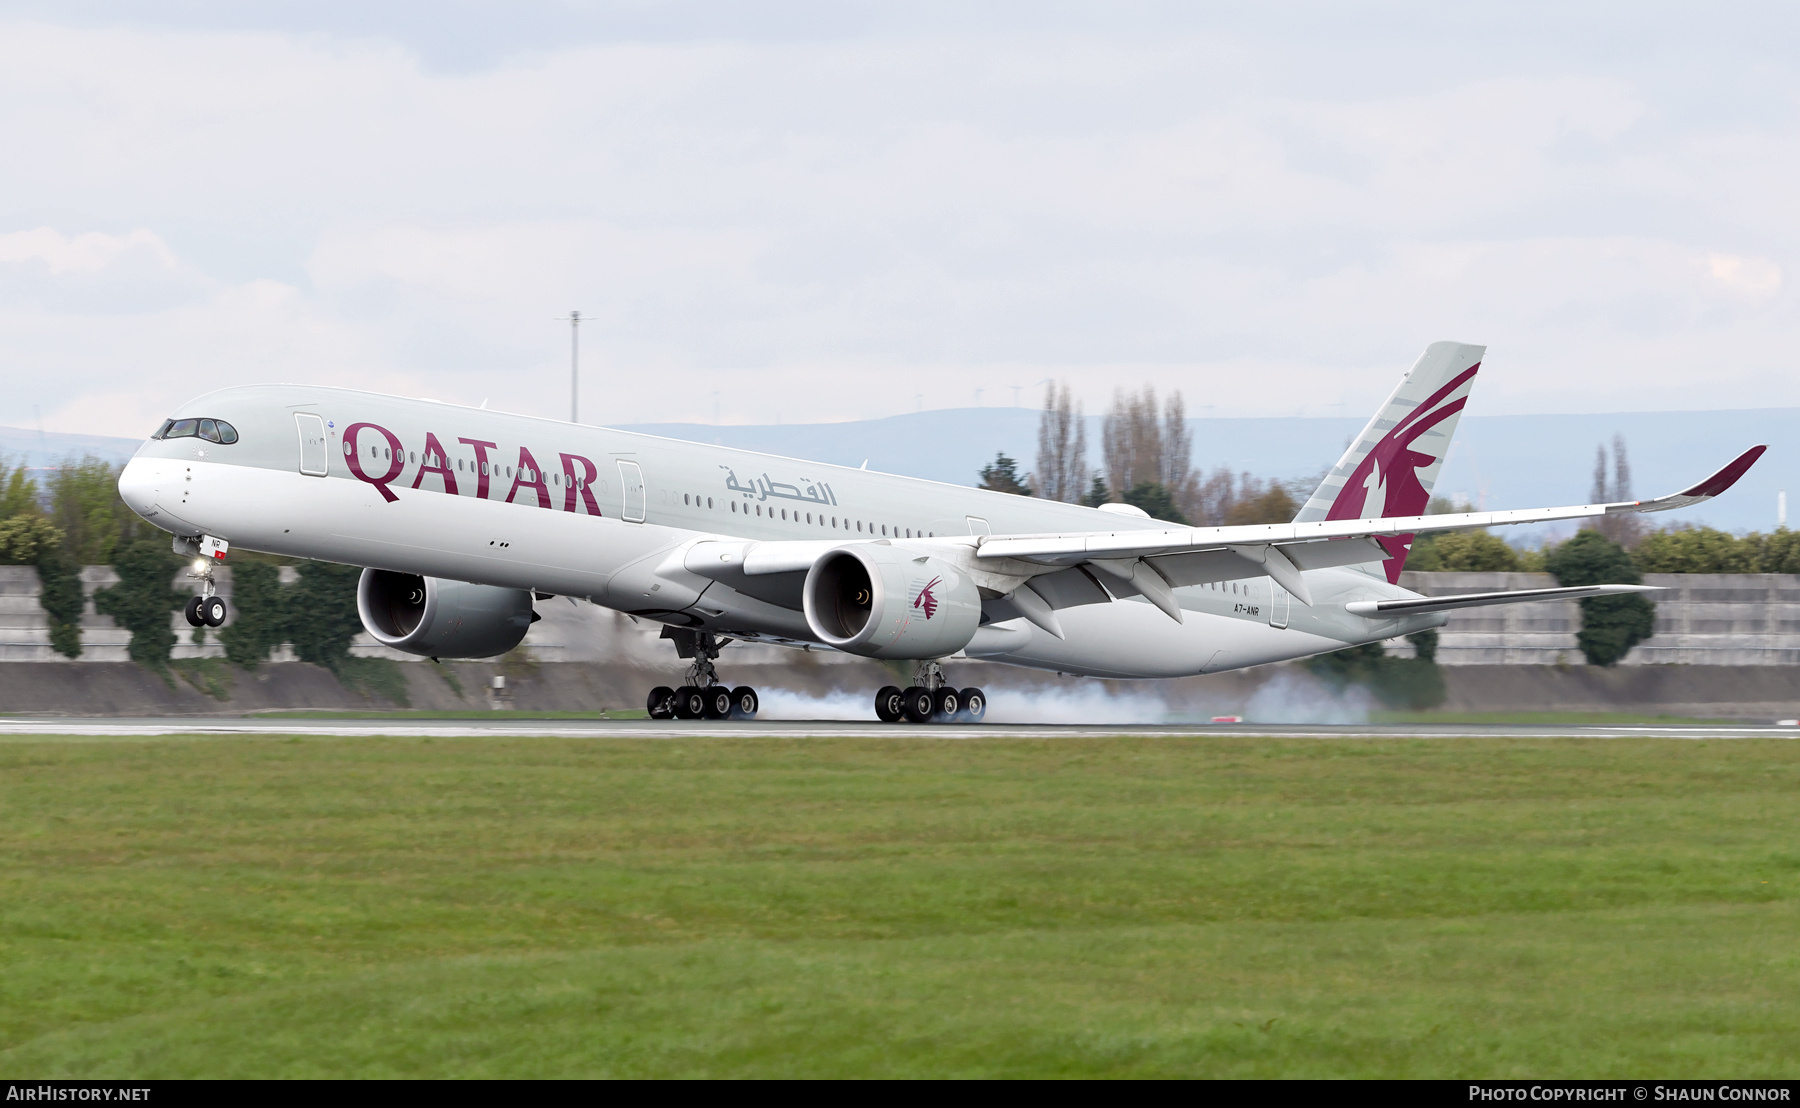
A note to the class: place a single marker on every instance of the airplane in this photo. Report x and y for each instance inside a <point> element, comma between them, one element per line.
<point>464,517</point>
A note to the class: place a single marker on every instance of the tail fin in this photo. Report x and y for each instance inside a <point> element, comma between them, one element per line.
<point>1391,467</point>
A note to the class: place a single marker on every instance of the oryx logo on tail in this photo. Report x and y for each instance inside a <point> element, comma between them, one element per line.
<point>1389,469</point>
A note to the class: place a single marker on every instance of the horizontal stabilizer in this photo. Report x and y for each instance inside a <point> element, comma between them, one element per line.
<point>1377,609</point>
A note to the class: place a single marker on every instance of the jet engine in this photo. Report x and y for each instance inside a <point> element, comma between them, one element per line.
<point>439,618</point>
<point>883,601</point>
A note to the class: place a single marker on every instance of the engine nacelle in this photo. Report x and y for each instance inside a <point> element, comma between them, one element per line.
<point>882,602</point>
<point>439,618</point>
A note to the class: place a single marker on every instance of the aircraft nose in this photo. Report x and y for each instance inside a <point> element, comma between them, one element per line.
<point>138,486</point>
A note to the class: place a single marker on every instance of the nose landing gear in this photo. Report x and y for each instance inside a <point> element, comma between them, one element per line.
<point>205,610</point>
<point>703,697</point>
<point>930,699</point>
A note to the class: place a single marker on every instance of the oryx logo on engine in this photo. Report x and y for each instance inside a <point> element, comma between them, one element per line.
<point>926,600</point>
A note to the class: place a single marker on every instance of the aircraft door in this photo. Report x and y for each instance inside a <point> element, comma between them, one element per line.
<point>978,526</point>
<point>314,458</point>
<point>1278,605</point>
<point>631,486</point>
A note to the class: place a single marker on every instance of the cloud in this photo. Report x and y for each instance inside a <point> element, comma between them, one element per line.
<point>828,226</point>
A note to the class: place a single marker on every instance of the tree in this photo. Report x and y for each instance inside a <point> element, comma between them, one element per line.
<point>1140,444</point>
<point>1412,683</point>
<point>84,501</point>
<point>1273,504</point>
<point>29,539</point>
<point>1610,625</point>
<point>18,492</point>
<point>59,594</point>
<point>260,612</point>
<point>321,611</point>
<point>1624,529</point>
<point>1779,552</point>
<point>1003,476</point>
<point>1098,493</point>
<point>1686,549</point>
<point>1062,448</point>
<point>1154,500</point>
<point>1463,552</point>
<point>143,599</point>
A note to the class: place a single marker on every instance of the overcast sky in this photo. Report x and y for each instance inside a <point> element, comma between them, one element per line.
<point>826,211</point>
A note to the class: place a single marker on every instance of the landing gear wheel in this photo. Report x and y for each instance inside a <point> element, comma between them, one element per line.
<point>890,704</point>
<point>212,610</point>
<point>744,702</point>
<point>690,702</point>
<point>192,612</point>
<point>661,703</point>
<point>945,703</point>
<point>917,704</point>
<point>974,705</point>
<point>718,702</point>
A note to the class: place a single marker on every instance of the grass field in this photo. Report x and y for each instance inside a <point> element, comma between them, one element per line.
<point>1128,907</point>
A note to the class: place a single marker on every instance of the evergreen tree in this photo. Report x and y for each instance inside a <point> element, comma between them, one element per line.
<point>143,598</point>
<point>59,594</point>
<point>1156,502</point>
<point>321,613</point>
<point>1410,683</point>
<point>1003,476</point>
<point>1610,625</point>
<point>260,615</point>
<point>1098,493</point>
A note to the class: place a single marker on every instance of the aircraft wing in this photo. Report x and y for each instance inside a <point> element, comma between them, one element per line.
<point>1189,555</point>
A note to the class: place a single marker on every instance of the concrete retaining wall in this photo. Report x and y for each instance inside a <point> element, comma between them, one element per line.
<point>1704,619</point>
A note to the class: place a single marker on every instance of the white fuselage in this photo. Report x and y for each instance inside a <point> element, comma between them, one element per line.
<point>487,497</point>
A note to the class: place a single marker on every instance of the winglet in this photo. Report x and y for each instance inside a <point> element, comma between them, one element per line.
<point>1705,490</point>
<point>1728,476</point>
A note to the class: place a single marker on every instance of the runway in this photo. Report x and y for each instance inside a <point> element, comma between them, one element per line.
<point>502,726</point>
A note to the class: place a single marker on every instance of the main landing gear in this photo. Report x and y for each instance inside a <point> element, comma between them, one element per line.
<point>703,697</point>
<point>929,699</point>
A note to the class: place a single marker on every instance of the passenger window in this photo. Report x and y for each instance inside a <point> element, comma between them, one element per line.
<point>709,502</point>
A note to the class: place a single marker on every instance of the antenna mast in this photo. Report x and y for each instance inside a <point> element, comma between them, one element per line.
<point>574,318</point>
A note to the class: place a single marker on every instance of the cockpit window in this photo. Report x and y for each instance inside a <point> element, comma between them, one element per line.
<point>212,430</point>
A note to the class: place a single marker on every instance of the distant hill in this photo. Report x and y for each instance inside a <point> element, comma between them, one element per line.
<point>39,449</point>
<point>1497,461</point>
